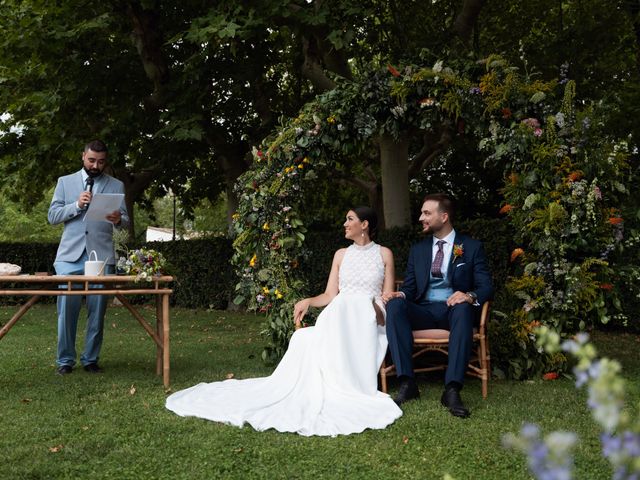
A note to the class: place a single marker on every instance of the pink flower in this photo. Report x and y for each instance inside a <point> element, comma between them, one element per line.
<point>597,192</point>
<point>531,122</point>
<point>537,132</point>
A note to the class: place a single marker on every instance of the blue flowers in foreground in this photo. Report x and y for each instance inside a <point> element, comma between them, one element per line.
<point>551,458</point>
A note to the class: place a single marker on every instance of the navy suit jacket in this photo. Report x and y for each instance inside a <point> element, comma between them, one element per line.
<point>467,273</point>
<point>79,234</point>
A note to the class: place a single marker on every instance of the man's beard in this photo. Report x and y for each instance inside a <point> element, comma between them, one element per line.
<point>93,173</point>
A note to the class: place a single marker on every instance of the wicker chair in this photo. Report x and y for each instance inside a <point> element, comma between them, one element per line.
<point>437,340</point>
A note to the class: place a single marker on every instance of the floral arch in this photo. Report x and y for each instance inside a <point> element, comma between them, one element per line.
<point>565,183</point>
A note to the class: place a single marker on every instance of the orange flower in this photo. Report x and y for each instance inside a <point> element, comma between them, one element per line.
<point>615,220</point>
<point>550,376</point>
<point>506,113</point>
<point>516,253</point>
<point>393,71</point>
<point>506,209</point>
<point>606,286</point>
<point>575,176</point>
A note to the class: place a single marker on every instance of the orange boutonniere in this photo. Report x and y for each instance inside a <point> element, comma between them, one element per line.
<point>458,251</point>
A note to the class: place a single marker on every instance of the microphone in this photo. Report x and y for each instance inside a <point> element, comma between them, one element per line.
<point>89,188</point>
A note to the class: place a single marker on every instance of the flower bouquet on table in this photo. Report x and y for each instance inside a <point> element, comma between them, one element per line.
<point>144,263</point>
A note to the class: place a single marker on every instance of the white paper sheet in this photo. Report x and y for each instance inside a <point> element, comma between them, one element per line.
<point>103,204</point>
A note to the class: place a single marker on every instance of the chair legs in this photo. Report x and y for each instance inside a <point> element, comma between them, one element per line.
<point>479,366</point>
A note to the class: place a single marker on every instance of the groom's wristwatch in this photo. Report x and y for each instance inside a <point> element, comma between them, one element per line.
<point>473,297</point>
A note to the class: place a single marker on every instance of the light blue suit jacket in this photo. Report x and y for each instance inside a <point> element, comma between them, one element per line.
<point>79,234</point>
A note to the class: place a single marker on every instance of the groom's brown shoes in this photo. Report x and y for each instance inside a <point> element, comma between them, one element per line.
<point>408,391</point>
<point>452,401</point>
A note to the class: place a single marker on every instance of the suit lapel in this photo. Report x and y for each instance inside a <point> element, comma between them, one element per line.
<point>101,184</point>
<point>429,254</point>
<point>454,260</point>
<point>458,240</point>
<point>422,275</point>
<point>78,183</point>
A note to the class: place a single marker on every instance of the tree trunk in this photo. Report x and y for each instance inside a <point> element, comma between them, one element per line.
<point>134,186</point>
<point>394,160</point>
<point>232,169</point>
<point>466,19</point>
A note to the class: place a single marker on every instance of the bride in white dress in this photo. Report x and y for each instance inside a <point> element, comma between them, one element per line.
<point>326,383</point>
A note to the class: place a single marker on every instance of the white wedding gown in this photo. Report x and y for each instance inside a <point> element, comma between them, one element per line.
<point>326,383</point>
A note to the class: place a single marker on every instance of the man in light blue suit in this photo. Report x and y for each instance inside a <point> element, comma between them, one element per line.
<point>69,205</point>
<point>446,282</point>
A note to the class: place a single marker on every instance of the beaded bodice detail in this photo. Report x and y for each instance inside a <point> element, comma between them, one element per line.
<point>362,270</point>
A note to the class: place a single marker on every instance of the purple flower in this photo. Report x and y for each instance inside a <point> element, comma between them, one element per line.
<point>475,90</point>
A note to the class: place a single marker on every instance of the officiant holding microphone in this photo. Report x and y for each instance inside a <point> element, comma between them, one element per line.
<point>80,236</point>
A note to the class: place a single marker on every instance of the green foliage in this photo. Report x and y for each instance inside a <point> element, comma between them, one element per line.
<point>565,188</point>
<point>22,222</point>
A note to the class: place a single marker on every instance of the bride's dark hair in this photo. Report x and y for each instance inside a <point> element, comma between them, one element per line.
<point>369,214</point>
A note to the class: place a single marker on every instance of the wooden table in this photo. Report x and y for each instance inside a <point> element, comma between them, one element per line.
<point>36,286</point>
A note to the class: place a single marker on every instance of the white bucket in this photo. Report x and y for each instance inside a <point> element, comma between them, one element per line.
<point>93,268</point>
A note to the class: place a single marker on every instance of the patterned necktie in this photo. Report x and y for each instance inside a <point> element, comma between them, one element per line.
<point>436,266</point>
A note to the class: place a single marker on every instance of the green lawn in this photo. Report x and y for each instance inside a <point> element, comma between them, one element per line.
<point>115,425</point>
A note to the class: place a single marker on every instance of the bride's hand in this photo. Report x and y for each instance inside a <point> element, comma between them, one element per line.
<point>300,310</point>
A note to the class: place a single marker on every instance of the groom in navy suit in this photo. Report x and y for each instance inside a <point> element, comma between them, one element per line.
<point>446,282</point>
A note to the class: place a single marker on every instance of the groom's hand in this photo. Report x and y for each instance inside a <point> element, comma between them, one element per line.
<point>391,295</point>
<point>459,297</point>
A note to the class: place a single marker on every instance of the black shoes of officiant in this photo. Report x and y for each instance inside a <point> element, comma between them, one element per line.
<point>64,370</point>
<point>93,368</point>
<point>451,400</point>
<point>408,391</point>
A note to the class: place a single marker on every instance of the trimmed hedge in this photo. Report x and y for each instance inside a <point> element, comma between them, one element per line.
<point>205,277</point>
<point>203,270</point>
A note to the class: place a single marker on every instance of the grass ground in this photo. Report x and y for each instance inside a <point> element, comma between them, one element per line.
<point>115,425</point>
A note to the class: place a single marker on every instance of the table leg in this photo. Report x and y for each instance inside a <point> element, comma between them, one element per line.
<point>159,332</point>
<point>165,339</point>
<point>18,315</point>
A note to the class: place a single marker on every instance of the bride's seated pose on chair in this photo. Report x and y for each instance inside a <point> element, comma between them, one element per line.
<point>326,383</point>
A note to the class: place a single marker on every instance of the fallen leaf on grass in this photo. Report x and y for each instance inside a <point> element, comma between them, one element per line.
<point>55,449</point>
<point>229,375</point>
<point>132,390</point>
<point>26,400</point>
<point>405,439</point>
